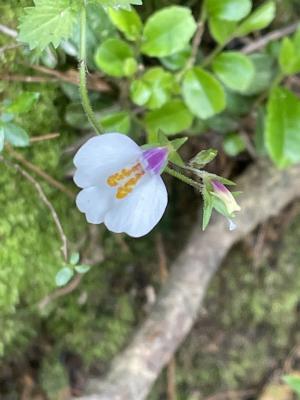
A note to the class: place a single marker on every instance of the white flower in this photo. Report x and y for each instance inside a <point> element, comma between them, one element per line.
<point>121,184</point>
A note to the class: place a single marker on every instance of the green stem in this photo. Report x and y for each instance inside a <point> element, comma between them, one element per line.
<point>213,54</point>
<point>182,178</point>
<point>82,74</point>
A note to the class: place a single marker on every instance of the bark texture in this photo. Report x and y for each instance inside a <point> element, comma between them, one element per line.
<point>266,191</point>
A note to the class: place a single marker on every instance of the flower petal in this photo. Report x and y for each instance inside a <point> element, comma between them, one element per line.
<point>141,210</point>
<point>106,149</point>
<point>95,202</point>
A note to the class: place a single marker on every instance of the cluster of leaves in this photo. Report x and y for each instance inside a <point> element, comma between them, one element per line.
<point>170,86</point>
<point>64,275</point>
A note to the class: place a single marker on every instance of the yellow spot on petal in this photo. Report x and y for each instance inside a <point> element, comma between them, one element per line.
<point>134,174</point>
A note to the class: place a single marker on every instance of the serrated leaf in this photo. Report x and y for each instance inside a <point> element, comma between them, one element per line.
<point>124,4</point>
<point>63,276</point>
<point>202,93</point>
<point>173,117</point>
<point>259,19</point>
<point>168,31</point>
<point>47,22</point>
<point>14,134</point>
<point>74,258</point>
<point>229,10</point>
<point>128,22</point>
<point>111,56</point>
<point>234,69</point>
<point>283,127</point>
<point>82,269</point>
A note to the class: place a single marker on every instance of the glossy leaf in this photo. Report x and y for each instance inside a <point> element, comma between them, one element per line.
<point>116,122</point>
<point>168,31</point>
<point>173,117</point>
<point>283,127</point>
<point>202,93</point>
<point>234,69</point>
<point>230,10</point>
<point>74,258</point>
<point>259,19</point>
<point>111,56</point>
<point>63,276</point>
<point>128,22</point>
<point>289,57</point>
<point>221,30</point>
<point>14,134</point>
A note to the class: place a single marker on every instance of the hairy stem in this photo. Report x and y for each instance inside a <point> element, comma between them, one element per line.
<point>82,75</point>
<point>182,178</point>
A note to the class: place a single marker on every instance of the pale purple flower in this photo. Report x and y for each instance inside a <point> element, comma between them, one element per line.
<point>121,183</point>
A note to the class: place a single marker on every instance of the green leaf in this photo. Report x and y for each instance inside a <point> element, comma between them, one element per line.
<point>14,134</point>
<point>47,22</point>
<point>168,31</point>
<point>283,127</point>
<point>221,30</point>
<point>259,133</point>
<point>234,69</point>
<point>116,122</point>
<point>289,57</point>
<point>172,118</point>
<point>1,140</point>
<point>229,10</point>
<point>128,22</point>
<point>264,72</point>
<point>124,4</point>
<point>233,144</point>
<point>202,93</point>
<point>130,66</point>
<point>111,56</point>
<point>203,157</point>
<point>177,60</point>
<point>259,19</point>
<point>207,207</point>
<point>293,381</point>
<point>74,258</point>
<point>63,276</point>
<point>178,143</point>
<point>140,92</point>
<point>154,88</point>
<point>82,269</point>
<point>23,103</point>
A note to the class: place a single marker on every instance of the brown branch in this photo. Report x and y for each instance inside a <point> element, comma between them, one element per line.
<point>34,168</point>
<point>60,292</point>
<point>8,31</point>
<point>46,201</point>
<point>266,191</point>
<point>270,37</point>
<point>42,138</point>
<point>27,78</point>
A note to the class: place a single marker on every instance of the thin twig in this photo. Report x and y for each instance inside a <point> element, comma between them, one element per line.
<point>45,200</point>
<point>8,31</point>
<point>34,168</point>
<point>42,138</point>
<point>9,47</point>
<point>60,292</point>
<point>27,79</point>
<point>270,37</point>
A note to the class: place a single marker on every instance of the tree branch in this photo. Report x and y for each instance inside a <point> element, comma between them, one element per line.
<point>266,192</point>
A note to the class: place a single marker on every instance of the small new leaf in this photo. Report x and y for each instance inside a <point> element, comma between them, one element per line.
<point>74,258</point>
<point>47,22</point>
<point>203,158</point>
<point>82,269</point>
<point>63,276</point>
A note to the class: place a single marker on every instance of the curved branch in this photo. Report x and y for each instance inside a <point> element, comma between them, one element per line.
<point>266,192</point>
